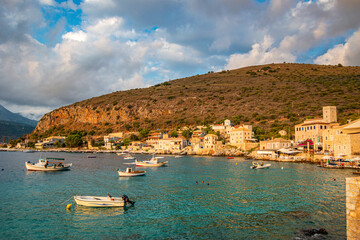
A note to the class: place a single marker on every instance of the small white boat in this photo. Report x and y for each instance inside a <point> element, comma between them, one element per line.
<point>121,153</point>
<point>178,156</point>
<point>48,164</point>
<point>256,165</point>
<point>153,162</point>
<point>109,201</point>
<point>129,157</point>
<point>28,151</point>
<point>130,173</point>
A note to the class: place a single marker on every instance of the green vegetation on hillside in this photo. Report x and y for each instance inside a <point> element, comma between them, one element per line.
<point>271,97</point>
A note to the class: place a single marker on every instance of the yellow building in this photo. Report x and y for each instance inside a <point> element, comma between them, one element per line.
<point>60,139</point>
<point>171,145</point>
<point>344,140</point>
<point>313,128</point>
<point>210,142</point>
<point>239,135</point>
<point>275,144</point>
<point>328,137</point>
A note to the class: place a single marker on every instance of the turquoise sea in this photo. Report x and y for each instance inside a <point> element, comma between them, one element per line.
<point>238,203</point>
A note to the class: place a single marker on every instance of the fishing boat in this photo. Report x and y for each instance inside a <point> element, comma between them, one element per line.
<point>109,201</point>
<point>130,173</point>
<point>121,153</point>
<point>129,157</point>
<point>153,162</point>
<point>230,158</point>
<point>256,165</point>
<point>48,164</point>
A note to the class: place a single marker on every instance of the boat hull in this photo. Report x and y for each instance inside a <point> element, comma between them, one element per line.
<point>131,174</point>
<point>34,167</point>
<point>144,164</point>
<point>91,201</point>
<point>260,167</point>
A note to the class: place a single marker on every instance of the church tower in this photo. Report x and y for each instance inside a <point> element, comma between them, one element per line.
<point>329,114</point>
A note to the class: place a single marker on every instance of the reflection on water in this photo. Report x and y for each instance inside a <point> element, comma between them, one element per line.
<point>84,213</point>
<point>238,203</point>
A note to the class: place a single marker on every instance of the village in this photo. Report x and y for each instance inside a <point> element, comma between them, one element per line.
<point>316,140</point>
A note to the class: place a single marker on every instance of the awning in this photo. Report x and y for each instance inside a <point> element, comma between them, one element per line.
<point>264,152</point>
<point>289,151</point>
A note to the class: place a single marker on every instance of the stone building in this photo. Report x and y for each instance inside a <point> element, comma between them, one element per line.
<point>275,144</point>
<point>210,142</point>
<point>239,135</point>
<point>343,140</point>
<point>313,128</point>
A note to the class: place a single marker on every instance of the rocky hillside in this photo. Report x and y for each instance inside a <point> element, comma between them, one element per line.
<point>266,96</point>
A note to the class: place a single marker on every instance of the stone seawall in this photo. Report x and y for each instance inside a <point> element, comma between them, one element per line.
<point>353,208</point>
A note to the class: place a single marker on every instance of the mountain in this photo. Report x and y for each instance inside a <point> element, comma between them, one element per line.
<point>13,130</point>
<point>13,126</point>
<point>271,97</point>
<point>6,115</point>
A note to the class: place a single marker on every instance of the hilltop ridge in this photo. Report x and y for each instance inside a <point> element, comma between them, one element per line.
<point>280,94</point>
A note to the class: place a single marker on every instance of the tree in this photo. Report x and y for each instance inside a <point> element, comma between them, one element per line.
<point>209,130</point>
<point>126,141</point>
<point>73,141</point>
<point>144,133</point>
<point>237,119</point>
<point>187,134</point>
<point>174,134</point>
<point>134,137</point>
<point>57,144</point>
<point>31,144</point>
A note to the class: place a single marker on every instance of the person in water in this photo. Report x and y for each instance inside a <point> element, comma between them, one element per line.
<point>127,200</point>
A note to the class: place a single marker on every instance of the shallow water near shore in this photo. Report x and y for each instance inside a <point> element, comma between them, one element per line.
<point>238,203</point>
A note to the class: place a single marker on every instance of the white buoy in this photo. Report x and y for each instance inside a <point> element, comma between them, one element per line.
<point>282,167</point>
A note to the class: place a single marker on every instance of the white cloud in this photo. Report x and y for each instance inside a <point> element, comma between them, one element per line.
<point>75,36</point>
<point>347,54</point>
<point>132,43</point>
<point>261,53</point>
<point>48,2</point>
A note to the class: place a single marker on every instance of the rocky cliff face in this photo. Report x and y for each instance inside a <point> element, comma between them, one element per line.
<point>77,117</point>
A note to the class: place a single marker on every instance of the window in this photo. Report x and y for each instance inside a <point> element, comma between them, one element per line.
<point>311,127</point>
<point>324,127</point>
<point>320,126</point>
<point>314,127</point>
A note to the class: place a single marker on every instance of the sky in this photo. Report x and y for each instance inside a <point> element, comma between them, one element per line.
<point>57,52</point>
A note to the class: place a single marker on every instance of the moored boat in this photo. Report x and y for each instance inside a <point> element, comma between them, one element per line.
<point>256,165</point>
<point>48,164</point>
<point>131,173</point>
<point>29,151</point>
<point>129,157</point>
<point>153,162</point>
<point>109,201</point>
